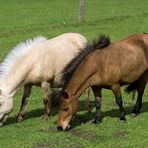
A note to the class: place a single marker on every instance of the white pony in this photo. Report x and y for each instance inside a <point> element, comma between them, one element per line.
<point>39,62</point>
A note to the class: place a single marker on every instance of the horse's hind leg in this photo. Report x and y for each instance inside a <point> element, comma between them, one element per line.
<point>97,93</point>
<point>27,91</point>
<point>140,90</point>
<point>117,92</point>
<point>88,105</point>
<point>47,101</point>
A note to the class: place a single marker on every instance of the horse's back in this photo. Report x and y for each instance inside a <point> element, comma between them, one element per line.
<point>69,36</point>
<point>68,41</point>
<point>51,56</point>
<point>122,61</point>
<point>135,39</point>
<point>129,56</point>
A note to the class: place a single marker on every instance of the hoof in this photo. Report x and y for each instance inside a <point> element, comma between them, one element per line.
<point>20,118</point>
<point>96,121</point>
<point>88,112</point>
<point>45,117</point>
<point>83,121</point>
<point>133,114</point>
<point>122,121</point>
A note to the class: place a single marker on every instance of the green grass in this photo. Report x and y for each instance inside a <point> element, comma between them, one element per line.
<point>21,20</point>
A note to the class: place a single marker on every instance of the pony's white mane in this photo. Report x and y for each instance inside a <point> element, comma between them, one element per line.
<point>17,53</point>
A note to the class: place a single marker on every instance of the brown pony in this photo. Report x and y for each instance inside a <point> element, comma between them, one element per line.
<point>104,65</point>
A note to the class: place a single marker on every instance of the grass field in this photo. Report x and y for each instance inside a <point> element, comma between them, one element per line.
<point>21,20</point>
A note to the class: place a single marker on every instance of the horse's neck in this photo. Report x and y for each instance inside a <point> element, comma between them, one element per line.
<point>14,79</point>
<point>79,82</point>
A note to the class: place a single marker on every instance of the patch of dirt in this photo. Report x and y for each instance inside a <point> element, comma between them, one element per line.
<point>120,134</point>
<point>85,135</point>
<point>47,130</point>
<point>42,145</point>
<point>67,142</point>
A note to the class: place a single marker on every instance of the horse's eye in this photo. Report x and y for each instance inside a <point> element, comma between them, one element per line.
<point>65,109</point>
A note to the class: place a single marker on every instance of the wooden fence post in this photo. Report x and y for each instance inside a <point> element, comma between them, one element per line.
<point>81,11</point>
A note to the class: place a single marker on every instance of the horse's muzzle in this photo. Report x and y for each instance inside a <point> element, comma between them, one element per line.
<point>61,129</point>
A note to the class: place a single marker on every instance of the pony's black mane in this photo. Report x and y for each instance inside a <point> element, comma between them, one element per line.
<point>70,68</point>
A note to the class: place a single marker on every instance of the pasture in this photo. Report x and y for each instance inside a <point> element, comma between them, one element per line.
<point>21,20</point>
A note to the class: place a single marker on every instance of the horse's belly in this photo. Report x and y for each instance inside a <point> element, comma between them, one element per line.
<point>36,78</point>
<point>132,76</point>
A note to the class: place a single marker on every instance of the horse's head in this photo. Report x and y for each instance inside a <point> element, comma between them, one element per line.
<point>67,112</point>
<point>6,105</point>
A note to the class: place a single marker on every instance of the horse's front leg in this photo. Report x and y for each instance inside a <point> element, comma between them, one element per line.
<point>27,91</point>
<point>88,105</point>
<point>117,92</point>
<point>47,101</point>
<point>97,92</point>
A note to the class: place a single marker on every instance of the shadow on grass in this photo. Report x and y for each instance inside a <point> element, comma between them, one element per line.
<point>114,113</point>
<point>31,114</point>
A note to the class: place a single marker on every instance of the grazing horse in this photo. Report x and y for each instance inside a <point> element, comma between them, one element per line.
<point>104,65</point>
<point>36,62</point>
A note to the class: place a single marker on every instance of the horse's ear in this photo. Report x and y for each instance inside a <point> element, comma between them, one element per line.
<point>65,95</point>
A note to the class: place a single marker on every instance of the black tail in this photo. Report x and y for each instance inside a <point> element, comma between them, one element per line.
<point>55,98</point>
<point>132,88</point>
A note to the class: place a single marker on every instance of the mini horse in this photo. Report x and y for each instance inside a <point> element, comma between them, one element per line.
<point>104,65</point>
<point>36,62</point>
